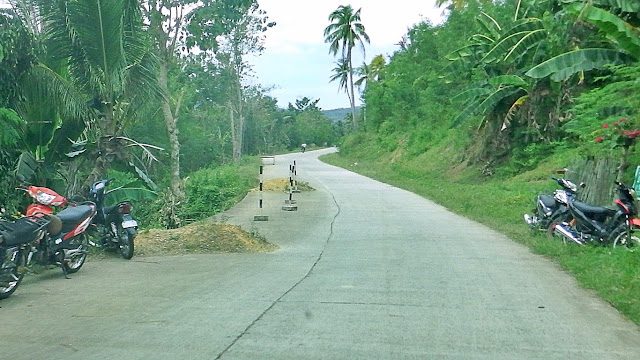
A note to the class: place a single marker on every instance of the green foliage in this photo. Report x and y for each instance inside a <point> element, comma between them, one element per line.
<point>11,129</point>
<point>211,190</point>
<point>618,98</point>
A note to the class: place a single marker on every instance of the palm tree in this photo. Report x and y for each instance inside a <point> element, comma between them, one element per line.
<point>341,74</point>
<point>343,34</point>
<point>109,60</point>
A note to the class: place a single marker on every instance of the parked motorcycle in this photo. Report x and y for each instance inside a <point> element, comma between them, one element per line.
<point>14,239</point>
<point>66,243</point>
<point>550,209</point>
<point>599,225</point>
<point>114,225</point>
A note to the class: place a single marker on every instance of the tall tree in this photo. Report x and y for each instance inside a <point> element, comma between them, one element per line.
<point>343,34</point>
<point>108,58</point>
<point>167,22</point>
<point>230,31</point>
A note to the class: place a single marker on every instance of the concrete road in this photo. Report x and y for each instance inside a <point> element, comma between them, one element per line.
<point>364,271</point>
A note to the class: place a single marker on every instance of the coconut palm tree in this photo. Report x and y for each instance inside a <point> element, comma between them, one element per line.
<point>341,75</point>
<point>107,55</point>
<point>343,34</point>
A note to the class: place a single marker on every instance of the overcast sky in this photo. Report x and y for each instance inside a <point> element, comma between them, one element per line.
<point>296,60</point>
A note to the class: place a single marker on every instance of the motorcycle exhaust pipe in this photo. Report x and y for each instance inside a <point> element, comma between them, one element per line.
<point>562,231</point>
<point>69,254</point>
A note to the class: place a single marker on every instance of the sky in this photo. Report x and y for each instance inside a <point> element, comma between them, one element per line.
<point>296,61</point>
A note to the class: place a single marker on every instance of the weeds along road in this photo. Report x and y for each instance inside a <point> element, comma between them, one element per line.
<point>364,271</point>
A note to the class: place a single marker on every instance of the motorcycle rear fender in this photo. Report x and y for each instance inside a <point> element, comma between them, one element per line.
<point>128,218</point>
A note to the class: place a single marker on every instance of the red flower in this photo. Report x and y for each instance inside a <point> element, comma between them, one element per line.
<point>615,123</point>
<point>631,134</point>
<point>622,120</point>
<point>599,139</point>
<point>605,126</point>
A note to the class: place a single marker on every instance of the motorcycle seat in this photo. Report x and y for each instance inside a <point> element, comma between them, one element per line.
<point>547,201</point>
<point>593,210</point>
<point>72,216</point>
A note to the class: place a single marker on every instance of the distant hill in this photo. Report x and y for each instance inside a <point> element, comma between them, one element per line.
<point>338,114</point>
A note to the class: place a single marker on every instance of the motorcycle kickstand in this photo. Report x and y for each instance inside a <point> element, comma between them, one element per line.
<point>61,264</point>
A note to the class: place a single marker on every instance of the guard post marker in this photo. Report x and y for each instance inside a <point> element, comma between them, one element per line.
<point>260,217</point>
<point>295,177</point>
<point>290,203</point>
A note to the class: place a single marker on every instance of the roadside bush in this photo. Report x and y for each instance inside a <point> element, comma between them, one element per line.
<point>212,190</point>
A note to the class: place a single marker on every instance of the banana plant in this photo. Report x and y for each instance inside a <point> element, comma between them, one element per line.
<point>625,41</point>
<point>483,97</point>
<point>500,51</point>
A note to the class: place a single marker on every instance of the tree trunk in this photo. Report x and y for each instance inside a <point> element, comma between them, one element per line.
<point>352,96</point>
<point>171,122</point>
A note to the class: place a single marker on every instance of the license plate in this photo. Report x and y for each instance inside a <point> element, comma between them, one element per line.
<point>129,224</point>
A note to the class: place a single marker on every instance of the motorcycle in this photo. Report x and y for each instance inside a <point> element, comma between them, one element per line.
<point>14,239</point>
<point>600,225</point>
<point>66,243</point>
<point>550,209</point>
<point>114,225</point>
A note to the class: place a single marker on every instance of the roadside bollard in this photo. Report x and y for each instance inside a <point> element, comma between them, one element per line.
<point>260,217</point>
<point>295,177</point>
<point>290,204</point>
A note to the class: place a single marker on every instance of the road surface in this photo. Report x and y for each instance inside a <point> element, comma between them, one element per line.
<point>364,271</point>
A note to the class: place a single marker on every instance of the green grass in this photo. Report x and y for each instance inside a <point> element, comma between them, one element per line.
<point>613,273</point>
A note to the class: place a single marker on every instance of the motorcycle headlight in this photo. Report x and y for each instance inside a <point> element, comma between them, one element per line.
<point>560,196</point>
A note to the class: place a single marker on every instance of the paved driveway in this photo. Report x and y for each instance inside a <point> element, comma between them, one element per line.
<point>364,271</point>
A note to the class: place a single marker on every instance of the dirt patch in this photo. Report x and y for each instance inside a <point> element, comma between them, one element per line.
<point>198,239</point>
<point>282,185</point>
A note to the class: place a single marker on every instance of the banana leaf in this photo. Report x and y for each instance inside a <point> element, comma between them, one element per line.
<point>629,6</point>
<point>482,106</point>
<point>563,66</point>
<point>514,80</point>
<point>133,195</point>
<point>626,36</point>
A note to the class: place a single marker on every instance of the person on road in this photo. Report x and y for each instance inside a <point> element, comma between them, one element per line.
<point>303,147</point>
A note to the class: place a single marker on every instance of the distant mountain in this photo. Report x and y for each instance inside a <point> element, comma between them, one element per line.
<point>338,114</point>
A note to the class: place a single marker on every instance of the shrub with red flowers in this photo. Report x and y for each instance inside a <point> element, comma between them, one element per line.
<point>621,132</point>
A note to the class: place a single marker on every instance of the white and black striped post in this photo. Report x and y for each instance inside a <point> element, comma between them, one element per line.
<point>295,177</point>
<point>260,217</point>
<point>290,203</point>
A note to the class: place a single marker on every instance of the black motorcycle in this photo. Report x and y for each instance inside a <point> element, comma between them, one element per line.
<point>551,209</point>
<point>114,225</point>
<point>15,237</point>
<point>600,225</point>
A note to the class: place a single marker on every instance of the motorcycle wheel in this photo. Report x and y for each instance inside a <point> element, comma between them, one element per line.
<point>620,237</point>
<point>125,242</point>
<point>80,249</point>
<point>11,276</point>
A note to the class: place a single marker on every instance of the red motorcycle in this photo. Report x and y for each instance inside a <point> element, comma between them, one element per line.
<point>66,244</point>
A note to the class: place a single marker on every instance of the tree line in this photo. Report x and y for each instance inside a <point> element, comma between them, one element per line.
<point>150,91</point>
